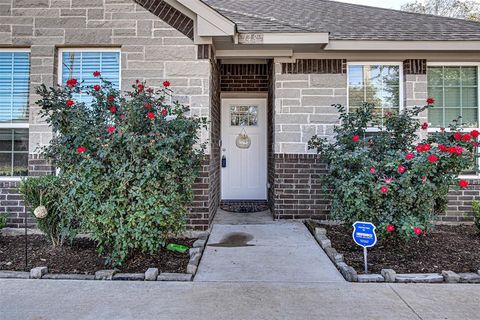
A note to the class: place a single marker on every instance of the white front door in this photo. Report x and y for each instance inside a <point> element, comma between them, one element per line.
<point>244,170</point>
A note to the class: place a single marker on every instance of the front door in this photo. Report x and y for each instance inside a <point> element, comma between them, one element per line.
<point>244,149</point>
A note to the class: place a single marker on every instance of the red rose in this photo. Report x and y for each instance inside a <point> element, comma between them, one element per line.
<point>409,156</point>
<point>113,109</point>
<point>390,228</point>
<point>111,129</point>
<point>475,133</point>
<point>151,115</point>
<point>457,136</point>
<point>137,81</point>
<point>425,126</point>
<point>417,231</point>
<point>463,184</point>
<point>372,170</point>
<point>164,112</point>
<point>81,149</point>
<point>110,98</point>
<point>147,105</point>
<point>475,144</point>
<point>426,147</point>
<point>72,82</point>
<point>452,150</point>
<point>355,138</point>
<point>70,102</point>
<point>424,178</point>
<point>401,169</point>
<point>96,87</point>
<point>419,148</point>
<point>166,84</point>
<point>122,117</point>
<point>430,101</point>
<point>96,73</point>
<point>140,87</point>
<point>442,148</point>
<point>383,189</point>
<point>466,137</point>
<point>432,158</point>
<point>458,150</point>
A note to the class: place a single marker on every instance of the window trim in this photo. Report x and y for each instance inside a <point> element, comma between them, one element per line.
<point>401,87</point>
<point>18,125</point>
<point>89,49</point>
<point>433,129</point>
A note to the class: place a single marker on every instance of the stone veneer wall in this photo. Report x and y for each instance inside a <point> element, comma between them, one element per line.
<point>151,50</point>
<point>304,96</point>
<point>304,93</point>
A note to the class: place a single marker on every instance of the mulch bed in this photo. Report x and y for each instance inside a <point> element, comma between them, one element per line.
<point>455,248</point>
<point>81,257</point>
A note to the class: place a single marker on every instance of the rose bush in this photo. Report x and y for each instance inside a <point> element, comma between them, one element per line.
<point>390,178</point>
<point>130,160</point>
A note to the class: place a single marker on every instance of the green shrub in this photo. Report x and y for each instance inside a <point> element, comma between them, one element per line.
<point>476,213</point>
<point>3,221</point>
<point>130,161</point>
<point>391,178</point>
<point>48,191</point>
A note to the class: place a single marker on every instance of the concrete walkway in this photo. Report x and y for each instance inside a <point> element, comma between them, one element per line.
<point>98,300</point>
<point>274,252</point>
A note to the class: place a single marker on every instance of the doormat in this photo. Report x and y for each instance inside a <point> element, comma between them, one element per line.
<point>244,206</point>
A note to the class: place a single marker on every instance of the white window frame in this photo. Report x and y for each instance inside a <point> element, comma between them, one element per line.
<point>18,125</point>
<point>461,64</point>
<point>88,49</point>
<point>401,106</point>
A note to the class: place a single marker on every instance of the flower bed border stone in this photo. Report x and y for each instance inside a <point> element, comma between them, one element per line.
<point>386,275</point>
<point>151,274</point>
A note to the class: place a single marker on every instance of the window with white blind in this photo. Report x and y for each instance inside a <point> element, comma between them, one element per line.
<point>82,63</point>
<point>14,92</point>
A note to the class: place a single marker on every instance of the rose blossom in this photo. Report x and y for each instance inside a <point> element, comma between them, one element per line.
<point>432,158</point>
<point>463,184</point>
<point>383,189</point>
<point>166,84</point>
<point>96,73</point>
<point>113,109</point>
<point>430,101</point>
<point>70,102</point>
<point>424,126</point>
<point>417,231</point>
<point>72,82</point>
<point>97,87</point>
<point>151,115</point>
<point>372,170</point>
<point>409,156</point>
<point>81,149</point>
<point>111,129</point>
<point>475,133</point>
<point>390,228</point>
<point>401,169</point>
<point>355,138</point>
<point>457,136</point>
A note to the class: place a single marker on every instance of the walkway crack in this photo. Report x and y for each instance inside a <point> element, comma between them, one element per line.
<point>406,303</point>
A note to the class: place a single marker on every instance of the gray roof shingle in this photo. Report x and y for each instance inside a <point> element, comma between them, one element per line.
<point>344,21</point>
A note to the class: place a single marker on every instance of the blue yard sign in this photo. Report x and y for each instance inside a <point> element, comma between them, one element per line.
<point>364,235</point>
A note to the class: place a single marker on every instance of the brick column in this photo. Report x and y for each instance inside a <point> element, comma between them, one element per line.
<point>415,86</point>
<point>43,70</point>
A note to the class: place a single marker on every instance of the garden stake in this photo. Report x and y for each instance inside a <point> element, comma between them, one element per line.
<point>365,259</point>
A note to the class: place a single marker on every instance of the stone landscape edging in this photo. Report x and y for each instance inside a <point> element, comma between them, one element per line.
<point>152,274</point>
<point>388,275</point>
